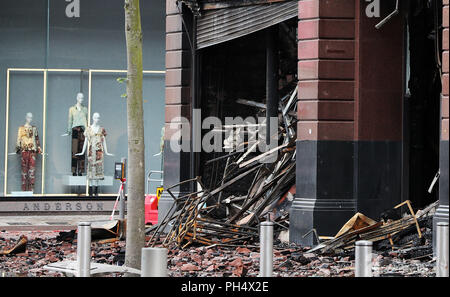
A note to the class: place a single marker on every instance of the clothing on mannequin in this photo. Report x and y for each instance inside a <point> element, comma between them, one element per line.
<point>95,139</point>
<point>96,148</point>
<point>77,123</point>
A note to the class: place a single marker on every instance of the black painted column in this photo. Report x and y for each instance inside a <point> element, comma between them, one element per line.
<point>325,149</point>
<point>324,180</point>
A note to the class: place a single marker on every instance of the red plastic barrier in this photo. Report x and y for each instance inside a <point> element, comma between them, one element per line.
<point>151,209</point>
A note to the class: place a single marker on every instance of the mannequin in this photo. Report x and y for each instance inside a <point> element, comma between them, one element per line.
<point>28,146</point>
<point>76,126</point>
<point>96,147</point>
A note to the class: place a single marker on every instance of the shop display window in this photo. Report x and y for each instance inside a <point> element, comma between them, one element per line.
<point>48,94</point>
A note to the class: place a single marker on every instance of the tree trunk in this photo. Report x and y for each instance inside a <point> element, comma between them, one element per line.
<point>135,231</point>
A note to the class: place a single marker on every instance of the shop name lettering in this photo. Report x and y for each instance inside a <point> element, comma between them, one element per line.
<point>73,9</point>
<point>62,206</point>
<point>373,8</point>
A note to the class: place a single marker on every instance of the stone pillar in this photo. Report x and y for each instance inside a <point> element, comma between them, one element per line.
<point>349,135</point>
<point>442,211</point>
<point>325,155</point>
<point>176,164</point>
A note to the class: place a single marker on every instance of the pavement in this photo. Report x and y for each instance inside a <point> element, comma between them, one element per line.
<point>47,223</point>
<point>290,260</point>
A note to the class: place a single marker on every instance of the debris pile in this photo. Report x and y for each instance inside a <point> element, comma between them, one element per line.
<point>19,247</point>
<point>409,237</point>
<point>101,231</point>
<point>43,248</point>
<point>290,260</point>
<point>193,218</point>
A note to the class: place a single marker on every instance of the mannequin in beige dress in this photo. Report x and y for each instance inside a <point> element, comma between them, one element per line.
<point>96,148</point>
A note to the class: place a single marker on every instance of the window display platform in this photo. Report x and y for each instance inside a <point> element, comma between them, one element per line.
<point>71,180</point>
<point>22,193</point>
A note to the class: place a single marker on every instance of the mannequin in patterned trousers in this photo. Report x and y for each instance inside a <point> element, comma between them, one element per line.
<point>28,170</point>
<point>28,146</point>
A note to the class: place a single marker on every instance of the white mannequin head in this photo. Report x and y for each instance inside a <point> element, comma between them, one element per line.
<point>95,118</point>
<point>28,118</point>
<point>80,98</point>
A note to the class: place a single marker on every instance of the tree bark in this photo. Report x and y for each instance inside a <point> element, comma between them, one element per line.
<point>135,231</point>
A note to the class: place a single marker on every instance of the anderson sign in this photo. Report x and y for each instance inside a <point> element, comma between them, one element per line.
<point>63,206</point>
<point>56,206</point>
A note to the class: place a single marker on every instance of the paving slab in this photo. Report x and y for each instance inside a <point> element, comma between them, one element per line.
<point>47,223</point>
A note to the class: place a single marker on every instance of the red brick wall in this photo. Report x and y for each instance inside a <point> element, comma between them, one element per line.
<point>177,67</point>
<point>326,69</point>
<point>445,15</point>
<point>380,75</point>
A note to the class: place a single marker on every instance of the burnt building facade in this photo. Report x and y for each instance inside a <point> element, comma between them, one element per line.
<point>372,107</point>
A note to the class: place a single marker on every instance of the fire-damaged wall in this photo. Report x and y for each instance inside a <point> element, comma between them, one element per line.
<point>442,211</point>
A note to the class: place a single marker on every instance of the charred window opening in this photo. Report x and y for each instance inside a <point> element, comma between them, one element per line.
<point>422,109</point>
<point>233,84</point>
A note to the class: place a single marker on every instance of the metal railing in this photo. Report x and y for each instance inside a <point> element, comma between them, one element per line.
<point>149,179</point>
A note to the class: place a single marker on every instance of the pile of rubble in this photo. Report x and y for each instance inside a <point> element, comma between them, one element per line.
<point>410,235</point>
<point>402,247</point>
<point>191,218</point>
<point>42,248</point>
<point>290,260</point>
